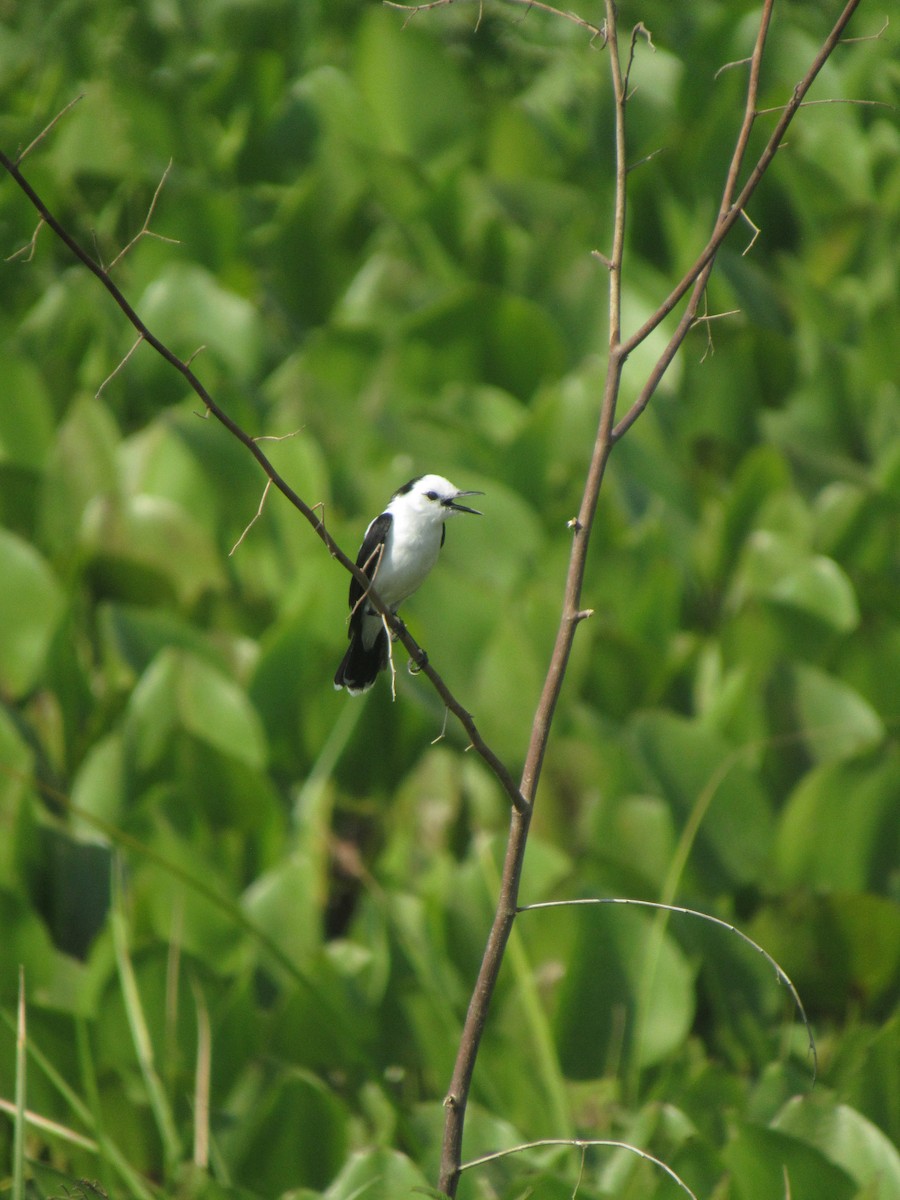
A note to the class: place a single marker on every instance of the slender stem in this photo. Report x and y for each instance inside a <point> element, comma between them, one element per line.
<point>572,615</point>
<point>479,1004</point>
<point>730,210</point>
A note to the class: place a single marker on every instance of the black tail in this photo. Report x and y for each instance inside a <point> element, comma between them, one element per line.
<point>359,667</point>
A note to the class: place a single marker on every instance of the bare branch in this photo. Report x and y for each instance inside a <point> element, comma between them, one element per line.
<point>694,281</point>
<point>730,66</point>
<point>856,103</point>
<point>780,974</point>
<point>580,1144</point>
<point>730,209</point>
<point>756,232</point>
<point>640,30</point>
<point>390,642</point>
<point>26,253</point>
<point>254,519</point>
<point>411,10</point>
<point>145,230</point>
<point>47,128</point>
<point>118,368</point>
<point>869,37</point>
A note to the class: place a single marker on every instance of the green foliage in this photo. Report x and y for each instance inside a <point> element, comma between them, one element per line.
<point>383,237</point>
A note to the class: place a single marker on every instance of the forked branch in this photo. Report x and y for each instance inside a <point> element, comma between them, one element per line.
<point>695,280</point>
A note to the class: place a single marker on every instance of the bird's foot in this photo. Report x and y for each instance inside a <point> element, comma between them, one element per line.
<point>417,664</point>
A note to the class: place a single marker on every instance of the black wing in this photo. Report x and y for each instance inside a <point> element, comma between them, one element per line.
<point>370,553</point>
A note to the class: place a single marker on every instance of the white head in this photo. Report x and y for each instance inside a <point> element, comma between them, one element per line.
<point>431,496</point>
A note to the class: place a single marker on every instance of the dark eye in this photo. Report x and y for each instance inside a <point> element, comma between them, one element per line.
<point>432,496</point>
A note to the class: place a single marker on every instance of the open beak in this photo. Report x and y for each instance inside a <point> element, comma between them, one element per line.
<point>451,503</point>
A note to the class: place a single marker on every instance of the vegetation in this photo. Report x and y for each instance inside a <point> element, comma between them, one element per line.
<point>248,910</point>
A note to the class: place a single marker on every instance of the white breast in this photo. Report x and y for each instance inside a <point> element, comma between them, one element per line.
<point>410,551</point>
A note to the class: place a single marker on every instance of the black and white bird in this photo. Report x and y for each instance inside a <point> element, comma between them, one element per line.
<point>399,549</point>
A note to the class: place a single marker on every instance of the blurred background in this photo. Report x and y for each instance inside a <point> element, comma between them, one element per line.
<point>250,910</point>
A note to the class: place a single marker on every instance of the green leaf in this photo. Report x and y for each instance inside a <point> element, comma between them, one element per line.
<point>617,969</point>
<point>18,846</point>
<point>706,783</point>
<point>846,1139</point>
<point>285,901</point>
<point>26,427</point>
<point>188,307</point>
<point>839,827</point>
<point>146,544</point>
<point>295,1132</point>
<point>180,691</point>
<point>82,465</point>
<point>31,605</point>
<point>417,97</point>
<point>834,719</point>
<point>766,1162</point>
<point>378,1175</point>
<point>776,569</point>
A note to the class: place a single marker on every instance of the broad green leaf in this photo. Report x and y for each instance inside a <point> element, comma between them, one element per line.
<point>839,827</point>
<point>764,1162</point>
<point>381,1174</point>
<point>181,692</point>
<point>834,719</point>
<point>131,636</point>
<point>843,947</point>
<point>99,788</point>
<point>774,568</point>
<point>81,467</point>
<point>417,97</point>
<point>620,968</point>
<point>846,1139</point>
<point>147,542</point>
<point>188,308</point>
<point>505,687</point>
<point>286,902</point>
<point>25,943</point>
<point>18,843</point>
<point>31,605</point>
<point>26,426</point>
<point>77,887</point>
<point>295,1132</point>
<point>706,783</point>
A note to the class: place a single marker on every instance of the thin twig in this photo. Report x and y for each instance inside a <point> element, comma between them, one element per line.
<point>390,644</point>
<point>413,10</point>
<point>114,372</point>
<point>579,1144</point>
<point>26,253</point>
<point>145,230</point>
<point>697,275</point>
<point>857,103</point>
<point>40,137</point>
<point>253,519</point>
<point>780,974</point>
<point>756,232</point>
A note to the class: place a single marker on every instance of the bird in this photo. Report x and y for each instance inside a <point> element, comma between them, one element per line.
<point>398,550</point>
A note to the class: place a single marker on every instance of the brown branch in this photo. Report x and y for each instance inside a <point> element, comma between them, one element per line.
<point>695,280</point>
<point>498,768</point>
<point>730,210</point>
<point>411,10</point>
<point>145,230</point>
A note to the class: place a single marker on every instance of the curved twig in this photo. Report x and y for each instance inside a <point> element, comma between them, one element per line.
<point>780,974</point>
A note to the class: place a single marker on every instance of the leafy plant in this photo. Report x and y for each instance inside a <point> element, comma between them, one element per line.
<point>383,235</point>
